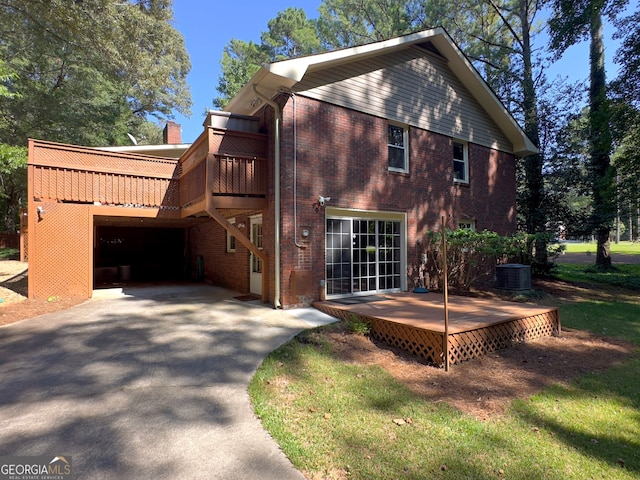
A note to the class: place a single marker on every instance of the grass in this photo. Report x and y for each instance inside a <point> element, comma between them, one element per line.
<point>336,420</point>
<point>623,275</point>
<point>629,248</point>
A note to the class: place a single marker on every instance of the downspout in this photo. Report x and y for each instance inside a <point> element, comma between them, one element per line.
<point>295,170</point>
<point>276,154</point>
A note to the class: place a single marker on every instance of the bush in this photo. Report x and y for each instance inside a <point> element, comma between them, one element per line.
<point>472,258</point>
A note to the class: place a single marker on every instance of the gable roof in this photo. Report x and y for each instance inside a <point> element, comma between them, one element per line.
<point>287,73</point>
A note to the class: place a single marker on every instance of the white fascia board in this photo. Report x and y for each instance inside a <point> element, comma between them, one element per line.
<point>160,150</point>
<point>296,68</point>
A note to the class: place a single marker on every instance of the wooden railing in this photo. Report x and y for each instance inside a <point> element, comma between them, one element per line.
<point>83,175</point>
<point>238,175</point>
<point>223,168</point>
<point>223,176</point>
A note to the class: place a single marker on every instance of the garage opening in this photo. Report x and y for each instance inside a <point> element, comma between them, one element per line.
<point>125,254</point>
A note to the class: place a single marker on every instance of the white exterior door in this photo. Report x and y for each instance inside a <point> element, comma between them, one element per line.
<point>255,263</point>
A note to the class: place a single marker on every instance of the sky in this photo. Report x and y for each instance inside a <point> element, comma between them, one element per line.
<point>208,25</point>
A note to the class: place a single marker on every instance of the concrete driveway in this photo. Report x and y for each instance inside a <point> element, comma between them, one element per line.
<point>146,384</point>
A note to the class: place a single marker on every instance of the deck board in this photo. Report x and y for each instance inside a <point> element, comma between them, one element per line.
<point>415,322</point>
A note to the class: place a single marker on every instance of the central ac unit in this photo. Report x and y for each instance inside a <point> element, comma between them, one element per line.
<point>513,276</point>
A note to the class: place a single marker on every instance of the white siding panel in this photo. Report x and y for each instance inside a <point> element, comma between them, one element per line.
<point>408,87</point>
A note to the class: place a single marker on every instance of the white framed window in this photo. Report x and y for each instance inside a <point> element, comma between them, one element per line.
<point>398,148</point>
<point>467,224</point>
<point>231,240</point>
<point>460,162</point>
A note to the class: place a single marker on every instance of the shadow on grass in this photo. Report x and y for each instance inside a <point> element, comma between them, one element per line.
<point>443,437</point>
<point>597,415</point>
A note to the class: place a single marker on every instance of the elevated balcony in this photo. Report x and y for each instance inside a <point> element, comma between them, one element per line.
<point>82,175</point>
<point>224,169</point>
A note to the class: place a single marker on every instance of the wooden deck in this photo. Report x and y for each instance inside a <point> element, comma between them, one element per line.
<point>415,322</point>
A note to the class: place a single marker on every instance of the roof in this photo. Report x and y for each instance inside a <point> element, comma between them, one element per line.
<point>287,73</point>
<point>162,150</point>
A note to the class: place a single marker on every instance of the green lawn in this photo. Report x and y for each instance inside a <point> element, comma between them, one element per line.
<point>335,420</point>
<point>590,247</point>
<point>623,275</point>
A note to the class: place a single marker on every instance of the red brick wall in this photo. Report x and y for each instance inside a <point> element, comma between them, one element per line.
<point>343,154</point>
<point>226,269</point>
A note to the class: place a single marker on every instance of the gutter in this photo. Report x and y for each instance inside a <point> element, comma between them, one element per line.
<point>276,154</point>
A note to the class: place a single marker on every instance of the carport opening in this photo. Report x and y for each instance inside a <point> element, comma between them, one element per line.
<point>128,254</point>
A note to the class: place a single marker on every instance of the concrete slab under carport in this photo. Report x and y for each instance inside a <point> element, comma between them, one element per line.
<point>146,383</point>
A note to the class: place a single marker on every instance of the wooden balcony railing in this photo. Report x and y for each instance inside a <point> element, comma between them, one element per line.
<point>222,169</point>
<point>227,169</point>
<point>238,176</point>
<point>70,174</point>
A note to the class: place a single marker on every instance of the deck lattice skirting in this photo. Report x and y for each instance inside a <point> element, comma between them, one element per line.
<point>464,345</point>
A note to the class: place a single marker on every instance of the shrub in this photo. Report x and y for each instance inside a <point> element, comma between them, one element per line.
<point>471,258</point>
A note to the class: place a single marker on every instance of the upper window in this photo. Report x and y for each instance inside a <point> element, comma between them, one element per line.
<point>398,148</point>
<point>460,162</point>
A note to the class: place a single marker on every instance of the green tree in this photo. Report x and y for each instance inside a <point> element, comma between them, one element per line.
<point>626,119</point>
<point>573,21</point>
<point>13,182</point>
<point>6,79</point>
<point>240,61</point>
<point>627,85</point>
<point>289,35</point>
<point>567,179</point>
<point>89,71</point>
<point>511,33</point>
<point>345,23</point>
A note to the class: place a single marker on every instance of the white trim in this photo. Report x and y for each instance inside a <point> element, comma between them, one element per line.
<point>470,224</point>
<point>255,278</point>
<point>231,238</point>
<point>405,146</point>
<point>162,150</point>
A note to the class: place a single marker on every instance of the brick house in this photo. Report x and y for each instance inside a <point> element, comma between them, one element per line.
<point>354,154</point>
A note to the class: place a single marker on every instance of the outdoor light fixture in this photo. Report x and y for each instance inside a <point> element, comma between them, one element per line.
<point>322,200</point>
<point>40,212</point>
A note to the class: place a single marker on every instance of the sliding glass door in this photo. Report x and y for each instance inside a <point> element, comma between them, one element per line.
<point>363,255</point>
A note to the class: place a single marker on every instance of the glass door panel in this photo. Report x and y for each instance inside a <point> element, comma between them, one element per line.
<point>362,256</point>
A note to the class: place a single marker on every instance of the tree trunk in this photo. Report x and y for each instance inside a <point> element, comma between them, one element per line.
<point>603,180</point>
<point>638,218</point>
<point>603,253</point>
<point>535,214</point>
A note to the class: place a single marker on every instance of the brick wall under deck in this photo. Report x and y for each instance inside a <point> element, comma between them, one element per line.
<point>226,269</point>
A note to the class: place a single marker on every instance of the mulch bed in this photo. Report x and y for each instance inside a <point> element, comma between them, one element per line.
<point>485,386</point>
